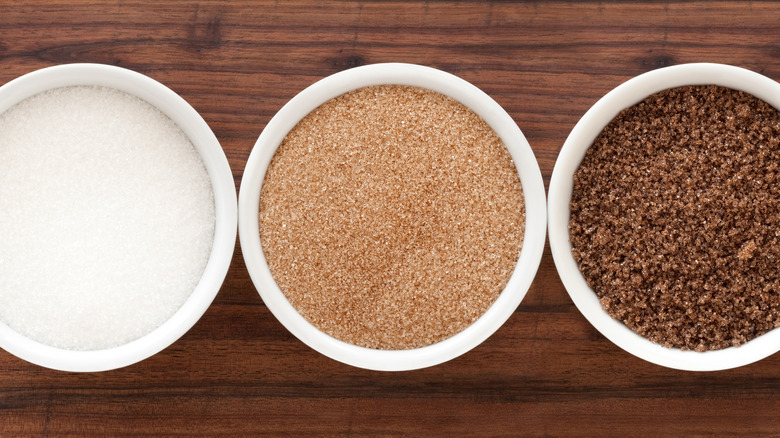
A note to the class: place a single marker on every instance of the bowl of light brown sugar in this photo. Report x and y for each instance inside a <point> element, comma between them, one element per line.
<point>663,216</point>
<point>392,216</point>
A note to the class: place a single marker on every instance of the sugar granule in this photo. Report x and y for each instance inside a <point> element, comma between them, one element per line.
<point>392,217</point>
<point>674,217</point>
<point>107,218</point>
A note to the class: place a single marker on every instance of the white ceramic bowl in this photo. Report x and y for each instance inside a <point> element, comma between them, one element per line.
<point>561,184</point>
<point>223,186</point>
<point>401,74</point>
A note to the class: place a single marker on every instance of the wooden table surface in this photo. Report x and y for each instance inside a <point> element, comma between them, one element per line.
<point>547,371</point>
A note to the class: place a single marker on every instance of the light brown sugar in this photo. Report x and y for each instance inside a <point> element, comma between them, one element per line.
<point>391,217</point>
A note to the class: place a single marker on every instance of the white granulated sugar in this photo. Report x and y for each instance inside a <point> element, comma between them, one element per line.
<point>106,218</point>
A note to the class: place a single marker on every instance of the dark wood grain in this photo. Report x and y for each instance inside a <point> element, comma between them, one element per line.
<point>239,372</point>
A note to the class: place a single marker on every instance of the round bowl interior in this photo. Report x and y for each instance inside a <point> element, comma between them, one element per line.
<point>201,136</point>
<point>398,74</point>
<point>561,184</point>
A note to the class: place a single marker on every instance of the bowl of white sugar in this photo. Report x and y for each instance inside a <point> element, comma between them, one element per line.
<point>392,216</point>
<point>118,211</point>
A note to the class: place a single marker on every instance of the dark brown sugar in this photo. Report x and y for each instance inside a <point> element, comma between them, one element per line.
<point>675,217</point>
<point>391,217</point>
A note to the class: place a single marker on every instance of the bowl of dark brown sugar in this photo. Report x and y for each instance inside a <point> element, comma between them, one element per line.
<point>663,216</point>
<point>392,216</point>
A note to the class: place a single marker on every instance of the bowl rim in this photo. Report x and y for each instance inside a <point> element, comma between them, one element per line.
<point>225,206</point>
<point>399,74</point>
<point>579,140</point>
